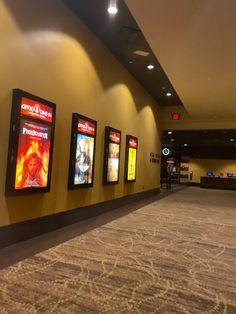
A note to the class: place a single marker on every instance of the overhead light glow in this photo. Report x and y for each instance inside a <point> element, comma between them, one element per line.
<point>232,140</point>
<point>112,9</point>
<point>168,94</point>
<point>170,132</point>
<point>150,67</point>
<point>172,140</point>
<point>185,145</point>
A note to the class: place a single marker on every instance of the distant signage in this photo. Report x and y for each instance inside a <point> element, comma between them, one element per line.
<point>35,109</point>
<point>166,151</point>
<point>86,127</point>
<point>114,137</point>
<point>175,116</point>
<point>154,158</point>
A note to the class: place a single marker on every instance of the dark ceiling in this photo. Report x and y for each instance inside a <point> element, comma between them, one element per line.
<point>202,143</point>
<point>122,36</point>
<point>224,138</point>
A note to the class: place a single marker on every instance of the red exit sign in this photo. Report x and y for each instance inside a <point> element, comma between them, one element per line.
<point>175,116</point>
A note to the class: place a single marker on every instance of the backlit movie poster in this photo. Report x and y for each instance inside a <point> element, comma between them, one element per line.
<point>131,164</point>
<point>33,155</point>
<point>131,158</point>
<point>30,144</point>
<point>113,162</point>
<point>112,156</point>
<point>82,151</point>
<point>84,159</point>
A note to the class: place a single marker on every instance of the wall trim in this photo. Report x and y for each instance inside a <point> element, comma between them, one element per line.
<point>25,230</point>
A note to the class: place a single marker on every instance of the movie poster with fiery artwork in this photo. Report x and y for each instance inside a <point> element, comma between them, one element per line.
<point>111,156</point>
<point>33,155</point>
<point>30,144</point>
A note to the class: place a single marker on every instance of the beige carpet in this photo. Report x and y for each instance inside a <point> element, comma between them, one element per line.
<point>177,255</point>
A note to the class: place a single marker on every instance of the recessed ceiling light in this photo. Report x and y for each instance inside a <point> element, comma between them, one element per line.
<point>168,94</point>
<point>150,67</point>
<point>170,132</point>
<point>185,145</point>
<point>172,140</point>
<point>141,53</point>
<point>112,9</point>
<point>232,140</point>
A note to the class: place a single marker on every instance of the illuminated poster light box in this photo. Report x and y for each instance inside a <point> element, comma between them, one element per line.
<point>175,116</point>
<point>131,158</point>
<point>82,152</point>
<point>30,144</point>
<point>111,156</point>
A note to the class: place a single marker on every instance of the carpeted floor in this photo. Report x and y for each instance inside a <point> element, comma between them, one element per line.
<point>176,255</point>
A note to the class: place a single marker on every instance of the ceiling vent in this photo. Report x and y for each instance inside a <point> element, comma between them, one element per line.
<point>141,53</point>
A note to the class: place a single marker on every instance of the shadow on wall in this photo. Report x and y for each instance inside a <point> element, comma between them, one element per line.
<point>55,16</point>
<point>44,20</point>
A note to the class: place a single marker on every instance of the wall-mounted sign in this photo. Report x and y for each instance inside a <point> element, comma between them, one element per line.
<point>111,156</point>
<point>131,158</point>
<point>154,158</point>
<point>82,152</point>
<point>166,151</point>
<point>30,144</point>
<point>175,116</point>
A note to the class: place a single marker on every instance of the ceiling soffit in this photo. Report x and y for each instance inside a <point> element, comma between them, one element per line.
<point>196,46</point>
<point>122,36</point>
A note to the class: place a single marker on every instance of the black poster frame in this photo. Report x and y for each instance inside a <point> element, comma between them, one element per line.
<point>128,138</point>
<point>14,135</point>
<point>73,146</point>
<point>108,131</point>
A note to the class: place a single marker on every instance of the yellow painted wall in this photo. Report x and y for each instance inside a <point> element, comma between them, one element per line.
<point>199,167</point>
<point>47,51</point>
<point>187,122</point>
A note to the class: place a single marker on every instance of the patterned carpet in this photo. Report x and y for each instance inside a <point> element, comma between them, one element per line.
<point>176,255</point>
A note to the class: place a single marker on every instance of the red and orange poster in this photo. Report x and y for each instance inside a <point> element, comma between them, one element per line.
<point>33,155</point>
<point>30,144</point>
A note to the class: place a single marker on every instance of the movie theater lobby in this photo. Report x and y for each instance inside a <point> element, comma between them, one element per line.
<point>117,164</point>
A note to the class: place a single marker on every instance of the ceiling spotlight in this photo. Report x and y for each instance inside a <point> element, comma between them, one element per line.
<point>150,67</point>
<point>112,9</point>
<point>185,145</point>
<point>170,132</point>
<point>232,140</point>
<point>172,140</point>
<point>168,94</point>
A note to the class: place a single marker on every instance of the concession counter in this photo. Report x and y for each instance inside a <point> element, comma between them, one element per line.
<point>218,183</point>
